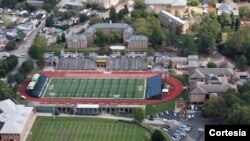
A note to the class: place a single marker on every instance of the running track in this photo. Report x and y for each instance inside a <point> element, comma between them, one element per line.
<point>176,88</point>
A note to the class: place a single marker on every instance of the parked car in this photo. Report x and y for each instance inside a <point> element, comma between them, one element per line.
<point>165,129</point>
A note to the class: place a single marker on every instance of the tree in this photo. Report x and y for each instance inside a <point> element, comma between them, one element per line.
<point>11,62</point>
<point>121,14</point>
<point>10,46</point>
<point>2,73</point>
<point>224,19</point>
<point>83,18</point>
<point>27,66</point>
<point>186,45</point>
<point>157,136</point>
<point>7,21</point>
<point>40,62</point>
<point>49,21</point>
<point>244,12</point>
<point>194,2</point>
<point>116,36</point>
<point>126,9</point>
<point>95,19</point>
<point>57,52</point>
<point>20,35</point>
<point>100,38</point>
<point>141,27</point>
<point>86,53</point>
<point>40,41</point>
<point>5,90</point>
<point>171,38</point>
<point>211,65</point>
<point>113,14</point>
<point>206,43</point>
<point>237,24</point>
<point>10,79</point>
<point>35,51</point>
<point>212,2</point>
<point>155,35</point>
<point>242,63</point>
<point>139,5</point>
<point>139,114</point>
<point>63,38</point>
<point>240,115</point>
<point>9,3</point>
<point>19,78</point>
<point>214,107</point>
<point>58,39</point>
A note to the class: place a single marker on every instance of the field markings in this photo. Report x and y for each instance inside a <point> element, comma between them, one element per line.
<point>49,131</point>
<point>59,131</point>
<point>106,132</point>
<point>134,133</point>
<point>78,129</point>
<point>42,131</point>
<point>46,87</point>
<point>129,133</point>
<point>124,133</point>
<point>111,129</point>
<point>65,127</point>
<point>84,132</point>
<point>70,131</point>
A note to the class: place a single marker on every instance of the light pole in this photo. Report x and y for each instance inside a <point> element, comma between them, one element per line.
<point>170,20</point>
<point>116,97</point>
<point>52,96</point>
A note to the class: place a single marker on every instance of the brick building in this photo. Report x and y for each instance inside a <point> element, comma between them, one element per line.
<point>14,120</point>
<point>77,41</point>
<point>138,41</point>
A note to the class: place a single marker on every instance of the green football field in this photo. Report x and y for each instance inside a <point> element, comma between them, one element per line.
<point>85,129</point>
<point>127,88</point>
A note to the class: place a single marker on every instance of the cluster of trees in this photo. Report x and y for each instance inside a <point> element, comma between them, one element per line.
<point>102,39</point>
<point>237,47</point>
<point>115,17</point>
<point>61,39</point>
<point>6,90</point>
<point>244,12</point>
<point>227,20</point>
<point>11,45</point>
<point>37,49</point>
<point>7,65</point>
<point>95,6</point>
<point>234,107</point>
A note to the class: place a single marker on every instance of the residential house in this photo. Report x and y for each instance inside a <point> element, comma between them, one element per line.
<point>72,5</point>
<point>3,41</point>
<point>77,41</point>
<point>138,41</point>
<point>229,8</point>
<point>27,28</point>
<point>15,120</point>
<point>172,5</point>
<point>36,3</point>
<point>172,22</point>
<point>181,63</point>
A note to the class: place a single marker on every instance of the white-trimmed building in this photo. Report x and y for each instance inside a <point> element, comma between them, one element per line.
<point>172,5</point>
<point>14,120</point>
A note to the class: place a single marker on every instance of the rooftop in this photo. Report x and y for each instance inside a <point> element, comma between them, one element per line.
<point>13,116</point>
<point>167,2</point>
<point>138,38</point>
<point>111,25</point>
<point>77,37</point>
<point>171,17</point>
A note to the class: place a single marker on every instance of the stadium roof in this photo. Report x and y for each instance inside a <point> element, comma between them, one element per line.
<point>117,47</point>
<point>87,106</point>
<point>35,77</point>
<point>167,2</point>
<point>171,17</point>
<point>31,85</point>
<point>13,116</point>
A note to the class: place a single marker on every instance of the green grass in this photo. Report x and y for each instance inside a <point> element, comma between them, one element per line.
<point>170,105</point>
<point>127,88</point>
<point>85,129</point>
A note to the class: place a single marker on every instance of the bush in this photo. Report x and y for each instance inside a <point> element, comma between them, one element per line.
<point>194,2</point>
<point>211,65</point>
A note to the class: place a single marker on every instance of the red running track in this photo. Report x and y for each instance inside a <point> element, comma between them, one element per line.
<point>176,88</point>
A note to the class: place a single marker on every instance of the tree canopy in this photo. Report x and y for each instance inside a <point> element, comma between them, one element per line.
<point>139,114</point>
<point>157,136</point>
<point>11,45</point>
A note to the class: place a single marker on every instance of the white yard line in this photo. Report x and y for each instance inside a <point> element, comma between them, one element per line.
<point>65,127</point>
<point>59,131</point>
<point>46,87</point>
<point>78,129</point>
<point>41,131</point>
<point>134,134</point>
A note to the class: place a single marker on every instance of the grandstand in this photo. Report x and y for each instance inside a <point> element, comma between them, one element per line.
<point>127,64</point>
<point>36,85</point>
<point>75,64</point>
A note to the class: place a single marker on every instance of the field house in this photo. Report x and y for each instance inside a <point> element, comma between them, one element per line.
<point>92,93</point>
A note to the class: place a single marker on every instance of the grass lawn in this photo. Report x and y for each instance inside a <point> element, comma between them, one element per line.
<point>85,129</point>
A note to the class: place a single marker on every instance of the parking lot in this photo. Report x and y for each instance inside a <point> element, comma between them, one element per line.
<point>190,130</point>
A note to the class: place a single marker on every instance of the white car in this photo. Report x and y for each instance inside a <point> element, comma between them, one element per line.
<point>165,129</point>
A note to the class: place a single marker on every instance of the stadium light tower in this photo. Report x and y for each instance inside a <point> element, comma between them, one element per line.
<point>116,97</point>
<point>52,96</point>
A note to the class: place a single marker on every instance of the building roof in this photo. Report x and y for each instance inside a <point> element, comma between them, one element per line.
<point>76,37</point>
<point>210,88</point>
<point>138,38</point>
<point>171,17</point>
<point>35,77</point>
<point>179,59</point>
<point>227,8</point>
<point>201,72</point>
<point>192,57</point>
<point>13,116</point>
<point>90,30</point>
<point>111,25</point>
<point>35,1</point>
<point>129,30</point>
<point>167,2</point>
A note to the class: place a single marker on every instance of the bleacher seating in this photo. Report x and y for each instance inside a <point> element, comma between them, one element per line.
<point>38,87</point>
<point>127,64</point>
<point>76,64</point>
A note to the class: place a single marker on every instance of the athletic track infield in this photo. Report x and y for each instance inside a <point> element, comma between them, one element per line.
<point>175,90</point>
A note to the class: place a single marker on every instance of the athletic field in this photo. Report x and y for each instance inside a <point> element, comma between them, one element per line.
<point>127,88</point>
<point>85,129</point>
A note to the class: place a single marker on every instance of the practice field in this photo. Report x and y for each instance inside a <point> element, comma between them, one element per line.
<point>85,129</point>
<point>127,88</point>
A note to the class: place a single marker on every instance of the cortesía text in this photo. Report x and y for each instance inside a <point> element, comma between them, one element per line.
<point>213,132</point>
